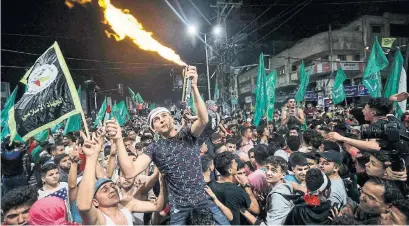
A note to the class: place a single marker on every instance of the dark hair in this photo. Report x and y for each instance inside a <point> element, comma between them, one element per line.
<point>314,178</point>
<point>47,167</point>
<point>381,156</point>
<point>126,139</point>
<point>19,196</point>
<point>240,163</point>
<point>261,153</point>
<point>293,143</point>
<point>58,158</point>
<point>200,216</point>
<point>250,151</point>
<point>223,162</point>
<point>403,206</point>
<point>297,159</point>
<point>330,145</point>
<point>139,145</point>
<point>294,127</point>
<point>312,155</point>
<point>391,190</point>
<point>71,137</point>
<point>279,141</point>
<point>260,130</point>
<point>231,141</point>
<point>206,162</point>
<point>278,161</point>
<point>402,118</point>
<point>52,148</point>
<point>243,130</point>
<point>316,140</point>
<point>380,105</point>
<point>307,135</point>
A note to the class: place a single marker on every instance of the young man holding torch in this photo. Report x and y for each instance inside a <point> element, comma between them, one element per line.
<point>177,156</point>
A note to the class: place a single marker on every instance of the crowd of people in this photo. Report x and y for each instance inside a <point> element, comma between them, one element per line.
<point>305,166</point>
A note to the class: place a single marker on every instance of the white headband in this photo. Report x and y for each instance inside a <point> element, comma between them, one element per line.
<point>154,113</point>
<point>323,186</point>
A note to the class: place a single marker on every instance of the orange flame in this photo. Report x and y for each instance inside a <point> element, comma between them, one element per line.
<point>70,3</point>
<point>125,25</point>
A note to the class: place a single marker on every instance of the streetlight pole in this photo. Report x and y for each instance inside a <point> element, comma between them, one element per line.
<point>207,67</point>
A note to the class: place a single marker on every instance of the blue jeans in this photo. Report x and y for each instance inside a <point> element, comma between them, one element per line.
<point>12,182</point>
<point>179,214</point>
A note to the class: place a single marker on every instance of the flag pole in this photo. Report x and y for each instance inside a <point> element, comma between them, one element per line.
<point>85,124</point>
<point>346,102</point>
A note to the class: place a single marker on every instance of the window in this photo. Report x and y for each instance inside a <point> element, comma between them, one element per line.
<point>293,67</point>
<point>347,82</point>
<point>342,57</point>
<point>281,71</point>
<point>357,57</point>
<point>324,58</point>
<point>376,29</point>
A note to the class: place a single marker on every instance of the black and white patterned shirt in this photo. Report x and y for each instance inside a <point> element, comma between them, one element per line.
<point>179,159</point>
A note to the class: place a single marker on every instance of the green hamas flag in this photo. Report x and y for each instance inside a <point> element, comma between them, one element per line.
<point>139,97</point>
<point>216,91</point>
<point>5,131</point>
<point>74,122</point>
<point>153,106</point>
<point>376,63</point>
<point>50,97</point>
<point>396,82</point>
<point>192,105</point>
<point>338,92</point>
<point>133,95</point>
<point>120,113</point>
<point>41,136</point>
<point>261,92</point>
<point>304,80</point>
<point>101,113</point>
<point>271,82</point>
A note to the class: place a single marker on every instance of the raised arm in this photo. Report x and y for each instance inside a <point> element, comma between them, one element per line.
<point>72,176</point>
<point>136,205</point>
<point>128,168</point>
<point>202,116</point>
<point>88,212</point>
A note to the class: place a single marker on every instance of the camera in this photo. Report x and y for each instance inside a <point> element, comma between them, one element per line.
<point>392,139</point>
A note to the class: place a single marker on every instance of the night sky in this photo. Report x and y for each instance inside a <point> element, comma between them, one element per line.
<point>80,34</point>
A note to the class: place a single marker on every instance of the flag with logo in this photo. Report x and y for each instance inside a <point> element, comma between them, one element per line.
<point>388,42</point>
<point>338,92</point>
<point>216,91</point>
<point>74,122</point>
<point>101,113</point>
<point>396,82</point>
<point>50,98</point>
<point>304,80</point>
<point>271,82</point>
<point>376,63</point>
<point>261,92</point>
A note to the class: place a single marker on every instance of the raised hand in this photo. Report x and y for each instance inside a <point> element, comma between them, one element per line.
<point>91,147</point>
<point>192,74</point>
<point>113,129</point>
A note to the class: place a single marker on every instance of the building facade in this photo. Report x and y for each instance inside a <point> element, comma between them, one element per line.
<point>325,52</point>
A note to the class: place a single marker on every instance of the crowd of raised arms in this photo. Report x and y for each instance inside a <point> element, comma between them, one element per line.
<point>307,165</point>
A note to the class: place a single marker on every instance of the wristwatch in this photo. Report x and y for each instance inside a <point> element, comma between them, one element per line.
<point>246,186</point>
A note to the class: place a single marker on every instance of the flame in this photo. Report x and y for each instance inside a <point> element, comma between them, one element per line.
<point>125,25</point>
<point>70,3</point>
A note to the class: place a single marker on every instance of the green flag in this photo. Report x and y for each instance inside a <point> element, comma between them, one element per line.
<point>376,63</point>
<point>338,92</point>
<point>74,122</point>
<point>139,97</point>
<point>5,131</point>
<point>216,91</point>
<point>261,94</point>
<point>101,113</point>
<point>304,80</point>
<point>133,95</point>
<point>120,113</point>
<point>9,103</point>
<point>153,106</point>
<point>41,136</point>
<point>55,128</point>
<point>396,80</point>
<point>271,82</point>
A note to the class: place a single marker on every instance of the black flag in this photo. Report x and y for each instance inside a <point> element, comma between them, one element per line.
<point>50,98</point>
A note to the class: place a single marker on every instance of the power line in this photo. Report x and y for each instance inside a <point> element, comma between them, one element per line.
<point>47,36</point>
<point>276,27</point>
<point>198,10</point>
<point>255,19</point>
<point>95,61</point>
<point>272,20</point>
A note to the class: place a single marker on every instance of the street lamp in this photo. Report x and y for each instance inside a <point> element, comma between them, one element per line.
<point>192,30</point>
